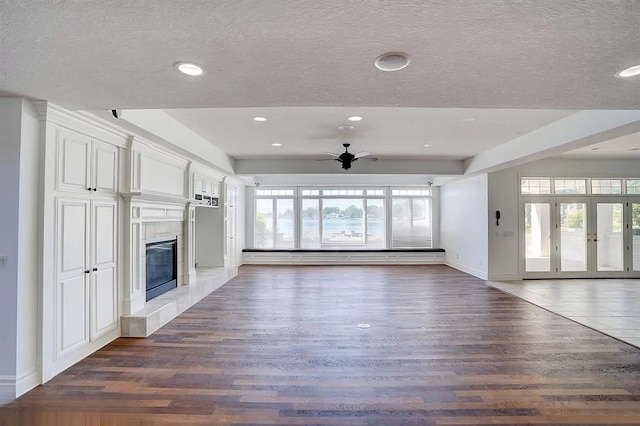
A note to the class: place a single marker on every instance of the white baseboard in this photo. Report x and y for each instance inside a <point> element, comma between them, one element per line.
<point>7,389</point>
<point>471,271</point>
<point>26,382</point>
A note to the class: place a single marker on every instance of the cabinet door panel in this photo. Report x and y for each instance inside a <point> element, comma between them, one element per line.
<point>73,235</point>
<point>72,313</point>
<point>104,302</point>
<point>73,158</point>
<point>105,167</point>
<point>104,235</point>
<point>104,284</point>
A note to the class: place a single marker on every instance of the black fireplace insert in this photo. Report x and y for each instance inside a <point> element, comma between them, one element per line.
<point>162,267</point>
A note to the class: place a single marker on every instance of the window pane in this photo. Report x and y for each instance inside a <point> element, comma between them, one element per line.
<point>285,224</point>
<point>375,224</point>
<point>573,237</point>
<point>342,223</point>
<point>633,186</point>
<point>537,233</point>
<point>570,186</point>
<point>310,223</point>
<point>264,224</point>
<point>411,222</point>
<point>606,186</point>
<point>535,186</point>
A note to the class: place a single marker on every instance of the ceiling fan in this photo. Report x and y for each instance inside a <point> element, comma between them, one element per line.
<point>346,158</point>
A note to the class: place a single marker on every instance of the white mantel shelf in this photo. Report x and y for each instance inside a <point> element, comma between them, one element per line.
<point>159,311</point>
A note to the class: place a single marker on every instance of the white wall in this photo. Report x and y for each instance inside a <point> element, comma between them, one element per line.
<point>10,118</point>
<point>28,249</point>
<point>463,224</point>
<point>19,183</point>
<point>504,192</point>
<point>504,257</point>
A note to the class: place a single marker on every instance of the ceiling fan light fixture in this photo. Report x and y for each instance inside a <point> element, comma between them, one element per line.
<point>392,61</point>
<point>629,72</point>
<point>189,68</point>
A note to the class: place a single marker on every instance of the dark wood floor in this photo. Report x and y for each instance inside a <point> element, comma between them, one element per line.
<point>281,345</point>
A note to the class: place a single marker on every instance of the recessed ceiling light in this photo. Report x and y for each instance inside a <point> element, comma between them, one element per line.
<point>355,118</point>
<point>629,72</point>
<point>276,144</point>
<point>345,127</point>
<point>393,61</point>
<point>259,118</point>
<point>426,145</point>
<point>467,119</point>
<point>189,68</point>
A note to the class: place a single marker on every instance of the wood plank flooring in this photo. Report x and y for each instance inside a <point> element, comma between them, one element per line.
<point>281,346</point>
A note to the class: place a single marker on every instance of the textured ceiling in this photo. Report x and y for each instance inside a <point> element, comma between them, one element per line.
<point>515,65</point>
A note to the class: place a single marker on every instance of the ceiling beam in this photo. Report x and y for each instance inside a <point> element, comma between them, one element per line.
<point>397,167</point>
<point>578,130</point>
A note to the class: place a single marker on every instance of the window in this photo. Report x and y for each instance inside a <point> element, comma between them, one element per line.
<point>535,186</point>
<point>633,186</point>
<point>341,218</point>
<point>570,186</point>
<point>606,186</point>
<point>411,218</point>
<point>274,219</point>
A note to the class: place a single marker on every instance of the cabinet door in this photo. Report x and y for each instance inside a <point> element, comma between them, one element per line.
<point>73,157</point>
<point>104,167</point>
<point>198,182</point>
<point>104,295</point>
<point>72,302</point>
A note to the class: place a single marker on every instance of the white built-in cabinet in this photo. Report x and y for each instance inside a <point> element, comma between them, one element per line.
<point>86,288</point>
<point>85,164</point>
<point>206,186</point>
<point>85,252</point>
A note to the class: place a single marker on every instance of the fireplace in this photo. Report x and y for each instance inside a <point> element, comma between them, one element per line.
<point>161,267</point>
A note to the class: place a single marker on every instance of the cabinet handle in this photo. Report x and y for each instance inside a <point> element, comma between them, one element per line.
<point>86,271</point>
<point>89,189</point>
<point>95,189</point>
<point>95,269</point>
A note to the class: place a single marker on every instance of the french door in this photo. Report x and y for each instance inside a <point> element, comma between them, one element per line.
<point>581,237</point>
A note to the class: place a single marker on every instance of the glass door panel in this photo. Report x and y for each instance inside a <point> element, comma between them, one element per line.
<point>537,229</point>
<point>608,237</point>
<point>573,236</point>
<point>635,235</point>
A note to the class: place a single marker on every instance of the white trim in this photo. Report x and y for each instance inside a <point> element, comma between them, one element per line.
<point>343,258</point>
<point>82,122</point>
<point>7,389</point>
<point>471,271</point>
<point>26,382</point>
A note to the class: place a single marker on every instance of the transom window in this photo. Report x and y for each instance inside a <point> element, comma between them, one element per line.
<point>579,186</point>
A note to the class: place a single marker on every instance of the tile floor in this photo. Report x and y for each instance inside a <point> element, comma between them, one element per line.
<point>610,306</point>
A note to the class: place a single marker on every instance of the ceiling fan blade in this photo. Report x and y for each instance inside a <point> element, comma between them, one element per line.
<point>328,159</point>
<point>362,154</point>
<point>368,159</point>
<point>331,153</point>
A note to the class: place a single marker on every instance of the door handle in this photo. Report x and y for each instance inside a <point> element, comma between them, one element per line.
<point>86,271</point>
<point>95,269</point>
